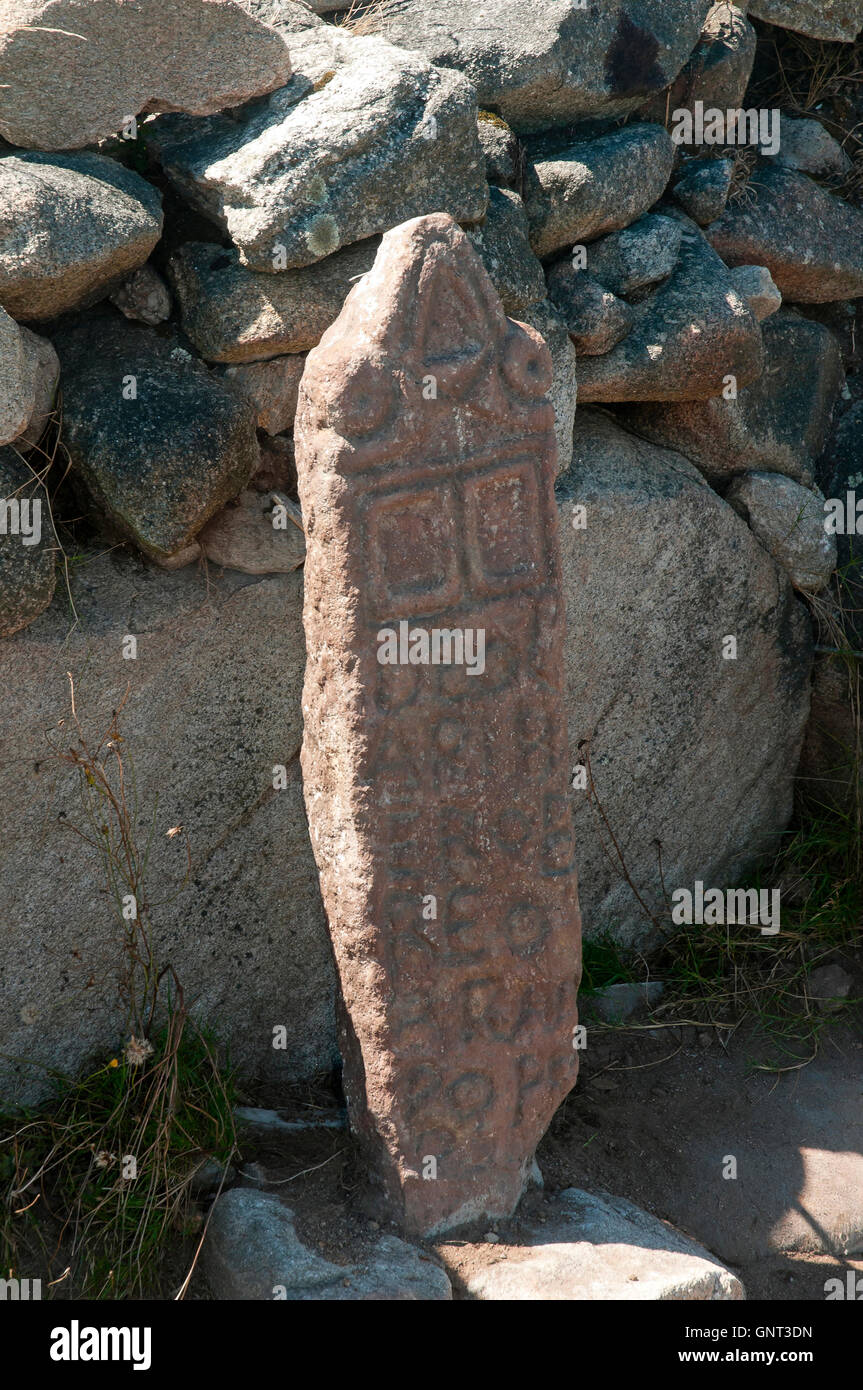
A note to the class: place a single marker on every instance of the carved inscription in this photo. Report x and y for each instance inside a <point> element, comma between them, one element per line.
<point>436,787</point>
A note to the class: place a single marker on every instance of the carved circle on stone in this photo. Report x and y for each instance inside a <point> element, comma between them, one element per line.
<point>527,929</point>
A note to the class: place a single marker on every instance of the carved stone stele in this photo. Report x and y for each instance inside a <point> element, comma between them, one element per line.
<point>437,792</point>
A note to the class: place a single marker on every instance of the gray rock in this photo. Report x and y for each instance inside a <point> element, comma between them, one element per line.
<point>143,297</point>
<point>778,423</point>
<point>27,549</point>
<point>564,388</point>
<point>821,19</point>
<point>789,521</point>
<point>639,255</point>
<point>686,748</point>
<point>702,189</point>
<point>718,72</point>
<point>503,244</point>
<point>71,227</point>
<point>595,318</point>
<point>18,377</point>
<point>45,366</point>
<point>233,314</point>
<point>754,283</point>
<point>253,1252</point>
<point>807,146</point>
<point>269,1123</point>
<point>593,1247</point>
<point>687,336</point>
<point>73,72</point>
<point>272,388</point>
<point>159,442</point>
<point>383,138</point>
<point>243,537</point>
<point>212,705</point>
<point>290,17</point>
<point>616,1003</point>
<point>544,65</point>
<point>810,241</point>
<point>829,986</point>
<point>596,186</point>
<point>501,149</point>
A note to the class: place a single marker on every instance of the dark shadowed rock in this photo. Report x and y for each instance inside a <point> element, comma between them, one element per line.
<point>810,241</point>
<point>779,423</point>
<point>543,65</point>
<point>687,337</point>
<point>380,138</point>
<point>595,318</point>
<point>75,70</point>
<point>638,256</point>
<point>71,227</point>
<point>504,248</point>
<point>596,186</point>
<point>501,149</point>
<point>702,189</point>
<point>27,546</point>
<point>160,443</point>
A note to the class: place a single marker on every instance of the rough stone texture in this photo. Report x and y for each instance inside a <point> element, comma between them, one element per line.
<point>501,149</point>
<point>18,378</point>
<point>233,314</point>
<point>423,779</point>
<point>820,19</point>
<point>702,189</point>
<point>252,1251</point>
<point>157,466</point>
<point>595,318</point>
<point>27,552</point>
<point>687,337</point>
<point>543,65</point>
<point>71,226</point>
<point>719,70</point>
<point>779,423</point>
<point>810,241</point>
<point>317,166</point>
<point>789,522</point>
<point>504,248</point>
<point>242,537</point>
<point>754,283</point>
<point>563,391</point>
<point>638,256</point>
<point>288,16</point>
<point>596,186</point>
<point>272,388</point>
<point>144,297</point>
<point>277,468</point>
<point>46,369</point>
<point>808,147</point>
<point>75,70</point>
<point>593,1247</point>
<point>686,747</point>
<point>213,705</point>
<point>616,1003</point>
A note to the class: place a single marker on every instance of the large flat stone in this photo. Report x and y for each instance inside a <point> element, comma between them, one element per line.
<point>686,748</point>
<point>382,137</point>
<point>836,20</point>
<point>213,706</point>
<point>253,1252</point>
<point>71,227</point>
<point>593,1247</point>
<point>543,65</point>
<point>75,70</point>
<point>780,422</point>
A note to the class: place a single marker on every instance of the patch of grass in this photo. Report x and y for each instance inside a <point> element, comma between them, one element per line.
<point>604,962</point>
<point>364,17</point>
<point>103,1173</point>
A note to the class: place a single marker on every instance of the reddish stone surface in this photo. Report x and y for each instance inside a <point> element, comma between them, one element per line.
<point>426,781</point>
